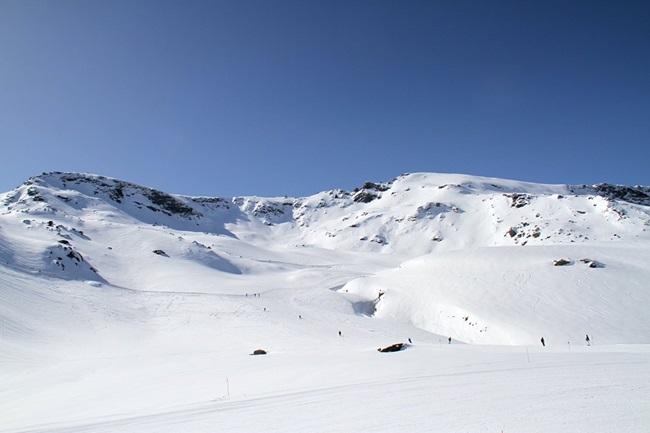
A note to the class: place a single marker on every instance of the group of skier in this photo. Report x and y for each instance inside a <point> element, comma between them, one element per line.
<point>587,339</point>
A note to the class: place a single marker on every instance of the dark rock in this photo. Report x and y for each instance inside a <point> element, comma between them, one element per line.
<point>364,197</point>
<point>117,193</point>
<point>259,352</point>
<point>518,199</point>
<point>561,262</point>
<point>393,348</point>
<point>160,253</point>
<point>375,186</point>
<point>592,263</point>
<point>636,195</point>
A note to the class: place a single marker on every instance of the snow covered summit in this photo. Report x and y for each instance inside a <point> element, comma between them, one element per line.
<point>412,214</point>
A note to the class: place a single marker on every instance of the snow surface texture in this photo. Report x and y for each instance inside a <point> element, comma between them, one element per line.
<point>126,309</point>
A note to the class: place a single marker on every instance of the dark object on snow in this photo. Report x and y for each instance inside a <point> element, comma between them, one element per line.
<point>634,195</point>
<point>449,340</point>
<point>519,199</point>
<point>364,197</point>
<point>392,348</point>
<point>259,352</point>
<point>543,343</point>
<point>160,253</point>
<point>587,340</point>
<point>375,186</point>
<point>340,335</point>
<point>561,262</point>
<point>410,342</point>
<point>592,263</point>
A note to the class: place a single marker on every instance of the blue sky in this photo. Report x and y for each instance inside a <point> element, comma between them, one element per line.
<point>293,97</point>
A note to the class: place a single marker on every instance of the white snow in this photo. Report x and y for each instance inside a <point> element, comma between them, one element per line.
<point>104,335</point>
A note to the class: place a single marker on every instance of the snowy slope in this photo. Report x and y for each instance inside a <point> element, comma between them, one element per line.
<point>124,308</point>
<point>513,295</point>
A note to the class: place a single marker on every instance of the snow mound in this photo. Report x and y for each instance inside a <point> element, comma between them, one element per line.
<point>511,295</point>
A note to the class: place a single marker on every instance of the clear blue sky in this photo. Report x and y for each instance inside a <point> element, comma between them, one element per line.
<point>291,97</point>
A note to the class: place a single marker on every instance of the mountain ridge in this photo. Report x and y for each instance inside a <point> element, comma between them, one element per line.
<point>353,250</point>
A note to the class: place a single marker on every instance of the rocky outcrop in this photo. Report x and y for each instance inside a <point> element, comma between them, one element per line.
<point>519,200</point>
<point>592,263</point>
<point>637,195</point>
<point>393,348</point>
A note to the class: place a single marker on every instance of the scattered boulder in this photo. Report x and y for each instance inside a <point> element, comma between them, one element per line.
<point>364,197</point>
<point>561,262</point>
<point>635,195</point>
<point>393,348</point>
<point>259,352</point>
<point>160,253</point>
<point>374,186</point>
<point>592,263</point>
<point>519,200</point>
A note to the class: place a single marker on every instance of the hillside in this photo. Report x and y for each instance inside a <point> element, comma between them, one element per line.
<point>107,285</point>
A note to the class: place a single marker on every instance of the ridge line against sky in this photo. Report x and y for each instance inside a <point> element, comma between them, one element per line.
<point>350,188</point>
<point>295,97</point>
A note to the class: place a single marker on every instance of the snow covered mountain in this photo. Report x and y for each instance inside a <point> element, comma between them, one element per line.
<point>92,228</point>
<point>101,273</point>
<point>413,214</point>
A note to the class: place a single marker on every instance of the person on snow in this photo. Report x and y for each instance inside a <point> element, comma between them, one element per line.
<point>543,343</point>
<point>587,340</point>
<point>449,340</point>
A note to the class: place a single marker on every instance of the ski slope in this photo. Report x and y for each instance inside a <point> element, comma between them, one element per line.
<point>126,309</point>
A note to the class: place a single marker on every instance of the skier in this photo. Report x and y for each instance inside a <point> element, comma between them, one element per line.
<point>449,340</point>
<point>543,343</point>
<point>587,340</point>
<point>340,335</point>
<point>299,316</point>
<point>410,342</point>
